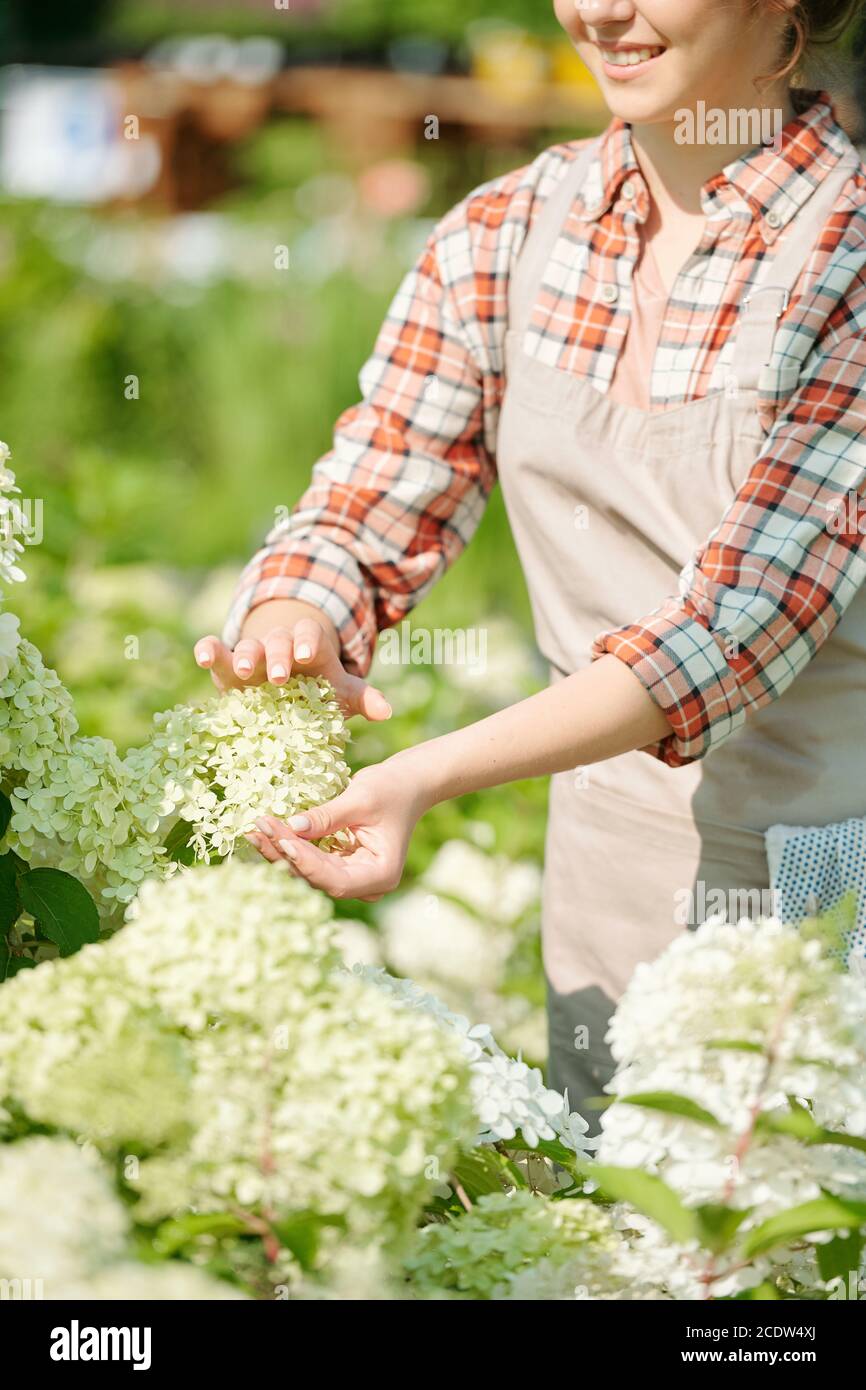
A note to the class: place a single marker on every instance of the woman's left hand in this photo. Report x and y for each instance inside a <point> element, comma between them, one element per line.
<point>380,807</point>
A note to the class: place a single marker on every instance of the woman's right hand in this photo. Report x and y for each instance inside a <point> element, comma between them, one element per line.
<point>302,643</point>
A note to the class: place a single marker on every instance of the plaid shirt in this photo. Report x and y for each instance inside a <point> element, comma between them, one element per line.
<point>404,486</point>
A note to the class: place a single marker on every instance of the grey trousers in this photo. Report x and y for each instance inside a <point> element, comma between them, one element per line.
<point>580,1060</point>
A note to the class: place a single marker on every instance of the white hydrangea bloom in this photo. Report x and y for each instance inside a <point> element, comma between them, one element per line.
<point>64,1229</point>
<point>171,1281</point>
<point>217,1032</point>
<point>9,642</point>
<point>800,1024</point>
<point>12,523</point>
<point>79,806</point>
<point>483,1254</point>
<point>82,1048</point>
<point>508,1095</point>
<point>495,887</point>
<point>435,941</point>
<point>59,1218</point>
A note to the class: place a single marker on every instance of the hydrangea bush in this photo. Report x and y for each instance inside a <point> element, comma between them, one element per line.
<point>73,808</point>
<point>229,1111</point>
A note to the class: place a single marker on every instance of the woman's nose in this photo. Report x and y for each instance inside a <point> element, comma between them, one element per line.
<point>594,13</point>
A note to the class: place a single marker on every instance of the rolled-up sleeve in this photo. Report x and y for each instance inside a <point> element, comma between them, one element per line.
<point>771,583</point>
<point>403,488</point>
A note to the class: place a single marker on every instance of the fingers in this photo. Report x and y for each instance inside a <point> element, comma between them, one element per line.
<point>339,814</point>
<point>265,846</point>
<point>278,655</point>
<point>248,661</point>
<point>214,656</point>
<point>359,697</point>
<point>358,875</point>
<point>310,646</point>
<point>304,649</point>
<point>372,704</point>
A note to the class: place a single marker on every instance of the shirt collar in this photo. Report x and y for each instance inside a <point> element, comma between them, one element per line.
<point>767,184</point>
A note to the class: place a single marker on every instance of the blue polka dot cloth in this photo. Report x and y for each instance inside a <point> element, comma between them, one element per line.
<point>812,868</point>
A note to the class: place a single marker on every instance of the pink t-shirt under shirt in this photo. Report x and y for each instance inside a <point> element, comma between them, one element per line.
<point>631,381</point>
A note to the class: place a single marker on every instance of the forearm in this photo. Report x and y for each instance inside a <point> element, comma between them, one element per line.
<point>598,713</point>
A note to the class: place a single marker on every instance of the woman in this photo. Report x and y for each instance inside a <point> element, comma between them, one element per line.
<point>655,341</point>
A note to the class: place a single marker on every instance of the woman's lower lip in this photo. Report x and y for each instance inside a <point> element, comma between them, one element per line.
<point>621,72</point>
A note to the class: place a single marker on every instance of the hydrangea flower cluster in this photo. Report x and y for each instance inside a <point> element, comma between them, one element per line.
<point>77,805</point>
<point>484,1253</point>
<point>738,1019</point>
<point>508,1095</point>
<point>254,1076</point>
<point>78,1247</point>
<point>199,782</point>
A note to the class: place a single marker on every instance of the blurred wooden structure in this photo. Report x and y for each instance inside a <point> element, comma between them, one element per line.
<point>375,113</point>
<point>368,114</point>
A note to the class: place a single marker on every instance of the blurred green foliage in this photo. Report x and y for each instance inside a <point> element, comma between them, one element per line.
<point>361,24</point>
<point>151,505</point>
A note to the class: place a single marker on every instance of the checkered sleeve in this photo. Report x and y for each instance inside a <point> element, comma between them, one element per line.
<point>403,488</point>
<point>775,577</point>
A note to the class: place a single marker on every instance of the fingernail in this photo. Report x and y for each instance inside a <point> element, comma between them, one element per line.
<point>253,839</point>
<point>303,653</point>
<point>288,847</point>
<point>299,822</point>
<point>243,668</point>
<point>263,825</point>
<point>203,658</point>
<point>390,711</point>
<point>277,673</point>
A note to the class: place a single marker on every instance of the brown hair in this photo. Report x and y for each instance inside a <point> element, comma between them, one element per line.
<point>810,23</point>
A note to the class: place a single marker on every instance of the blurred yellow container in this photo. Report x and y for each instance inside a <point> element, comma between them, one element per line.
<point>569,70</point>
<point>510,61</point>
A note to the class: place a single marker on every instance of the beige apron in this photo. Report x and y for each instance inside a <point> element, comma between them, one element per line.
<point>637,851</point>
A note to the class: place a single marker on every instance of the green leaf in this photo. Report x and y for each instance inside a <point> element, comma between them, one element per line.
<point>173,1235</point>
<point>177,844</point>
<point>10,901</point>
<point>17,963</point>
<point>301,1232</point>
<point>672,1104</point>
<point>62,906</point>
<point>767,1293</point>
<point>827,1213</point>
<point>649,1195</point>
<point>840,1256</point>
<point>718,1224</point>
<point>800,1124</point>
<point>5,813</point>
<point>485,1170</point>
<point>734,1045</point>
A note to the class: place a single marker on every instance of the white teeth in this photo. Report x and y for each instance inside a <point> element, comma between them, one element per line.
<point>629,57</point>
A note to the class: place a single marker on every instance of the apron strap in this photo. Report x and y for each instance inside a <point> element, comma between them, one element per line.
<point>527,273</point>
<point>764,304</point>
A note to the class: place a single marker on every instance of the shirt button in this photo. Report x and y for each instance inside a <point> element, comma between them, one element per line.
<point>773,219</point>
<point>610,294</point>
<point>628,190</point>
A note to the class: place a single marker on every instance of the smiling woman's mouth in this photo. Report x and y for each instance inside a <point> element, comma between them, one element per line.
<point>628,59</point>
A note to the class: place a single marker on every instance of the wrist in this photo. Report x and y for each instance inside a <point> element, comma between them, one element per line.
<point>422,769</point>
